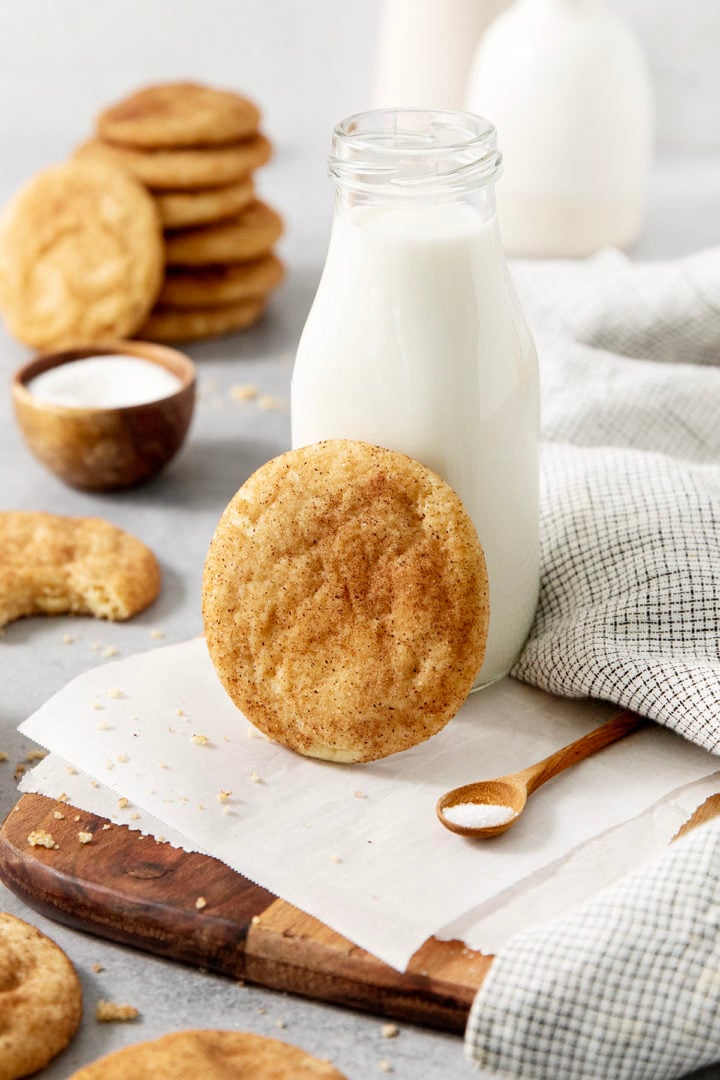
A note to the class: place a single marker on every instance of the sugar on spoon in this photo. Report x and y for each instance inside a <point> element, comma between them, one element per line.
<point>490,807</point>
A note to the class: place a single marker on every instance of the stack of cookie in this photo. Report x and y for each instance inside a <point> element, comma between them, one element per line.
<point>196,148</point>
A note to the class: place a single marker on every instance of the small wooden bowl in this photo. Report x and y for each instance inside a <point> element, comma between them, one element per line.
<point>98,449</point>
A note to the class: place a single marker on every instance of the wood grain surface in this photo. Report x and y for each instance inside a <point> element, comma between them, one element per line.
<point>142,893</point>
<point>134,890</point>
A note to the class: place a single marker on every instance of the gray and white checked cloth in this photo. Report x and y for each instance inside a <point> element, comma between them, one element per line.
<point>628,987</point>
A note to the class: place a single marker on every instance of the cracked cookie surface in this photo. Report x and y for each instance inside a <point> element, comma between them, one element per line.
<point>179,114</point>
<point>81,256</point>
<point>52,565</point>
<point>345,601</point>
<point>222,1055</point>
<point>40,999</point>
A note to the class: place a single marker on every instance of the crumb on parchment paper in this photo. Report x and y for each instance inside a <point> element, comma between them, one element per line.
<point>108,1012</point>
<point>85,837</point>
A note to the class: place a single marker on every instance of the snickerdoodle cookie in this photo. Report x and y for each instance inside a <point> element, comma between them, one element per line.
<point>81,255</point>
<point>179,209</point>
<point>196,323</point>
<point>209,286</point>
<point>345,601</point>
<point>50,565</point>
<point>247,236</point>
<point>40,999</point>
<point>178,114</point>
<point>210,1055</point>
<point>188,167</point>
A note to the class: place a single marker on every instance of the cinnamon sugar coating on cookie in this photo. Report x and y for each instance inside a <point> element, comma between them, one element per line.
<point>179,114</point>
<point>40,999</point>
<point>51,565</point>
<point>201,1055</point>
<point>81,255</point>
<point>345,601</point>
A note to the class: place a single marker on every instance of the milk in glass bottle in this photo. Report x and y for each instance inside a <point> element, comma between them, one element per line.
<point>415,340</point>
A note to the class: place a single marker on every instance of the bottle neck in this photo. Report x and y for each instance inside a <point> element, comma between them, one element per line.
<point>415,159</point>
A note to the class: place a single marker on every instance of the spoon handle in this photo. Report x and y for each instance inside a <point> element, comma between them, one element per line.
<point>610,732</point>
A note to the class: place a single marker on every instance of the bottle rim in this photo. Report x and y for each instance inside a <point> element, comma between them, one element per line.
<point>408,152</point>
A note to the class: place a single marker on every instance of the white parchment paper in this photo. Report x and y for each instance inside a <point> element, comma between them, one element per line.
<point>359,847</point>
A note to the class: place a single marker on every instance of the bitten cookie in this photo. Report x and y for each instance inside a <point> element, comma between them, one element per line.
<point>81,256</point>
<point>196,323</point>
<point>51,565</point>
<point>209,286</point>
<point>251,234</point>
<point>187,168</point>
<point>210,1055</point>
<point>180,209</point>
<point>178,114</point>
<point>40,999</point>
<point>345,601</point>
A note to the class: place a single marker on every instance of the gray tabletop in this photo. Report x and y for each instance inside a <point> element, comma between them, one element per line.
<point>176,514</point>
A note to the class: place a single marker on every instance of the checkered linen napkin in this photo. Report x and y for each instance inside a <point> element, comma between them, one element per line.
<point>628,987</point>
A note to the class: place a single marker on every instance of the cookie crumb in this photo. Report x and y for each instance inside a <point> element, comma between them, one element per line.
<point>3,755</point>
<point>108,1012</point>
<point>67,639</point>
<point>255,778</point>
<point>96,705</point>
<point>97,968</point>
<point>106,826</point>
<point>20,770</point>
<point>58,814</point>
<point>279,1023</point>
<point>123,802</point>
<point>71,770</point>
<point>200,903</point>
<point>85,837</point>
<point>115,692</point>
<point>41,838</point>
<point>102,726</point>
<point>63,796</point>
<point>223,796</point>
<point>389,1031</point>
<point>76,818</point>
<point>335,858</point>
<point>385,1066</point>
<point>262,1010</point>
<point>255,921</point>
<point>179,712</point>
<point>110,650</point>
<point>266,403</point>
<point>35,755</point>
<point>134,817</point>
<point>123,759</point>
<point>157,634</point>
<point>200,740</point>
<point>360,795</point>
<point>243,391</point>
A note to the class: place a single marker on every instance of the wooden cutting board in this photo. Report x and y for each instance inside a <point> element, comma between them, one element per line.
<point>141,893</point>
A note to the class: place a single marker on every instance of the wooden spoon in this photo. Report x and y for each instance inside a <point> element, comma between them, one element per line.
<point>510,793</point>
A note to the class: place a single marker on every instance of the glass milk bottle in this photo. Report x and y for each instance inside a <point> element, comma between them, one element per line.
<point>415,340</point>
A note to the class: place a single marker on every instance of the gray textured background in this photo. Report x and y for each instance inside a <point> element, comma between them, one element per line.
<point>310,61</point>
